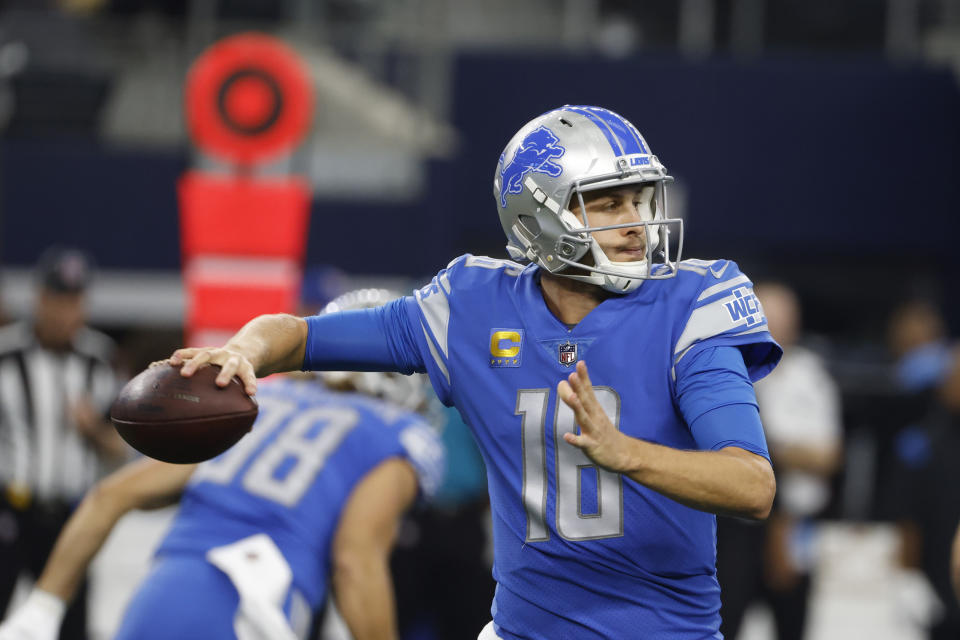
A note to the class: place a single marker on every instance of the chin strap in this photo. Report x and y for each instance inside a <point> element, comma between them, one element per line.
<point>631,276</point>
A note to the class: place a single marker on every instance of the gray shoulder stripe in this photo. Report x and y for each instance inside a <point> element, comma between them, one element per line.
<point>445,282</point>
<point>673,369</point>
<point>698,263</point>
<point>758,329</point>
<point>436,356</point>
<point>713,319</point>
<point>707,321</point>
<point>762,327</point>
<point>717,288</point>
<point>436,310</point>
<point>689,267</point>
<point>678,358</point>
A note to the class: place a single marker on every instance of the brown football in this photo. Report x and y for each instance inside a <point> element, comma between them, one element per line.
<point>183,420</point>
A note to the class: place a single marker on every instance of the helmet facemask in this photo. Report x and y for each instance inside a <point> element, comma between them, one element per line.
<point>619,276</point>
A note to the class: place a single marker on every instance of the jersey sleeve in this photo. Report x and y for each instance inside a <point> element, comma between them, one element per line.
<point>717,400</point>
<point>375,339</point>
<point>428,311</point>
<point>725,312</point>
<point>425,451</point>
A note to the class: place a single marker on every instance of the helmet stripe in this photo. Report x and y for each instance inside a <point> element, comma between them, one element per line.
<point>600,124</point>
<point>640,140</point>
<point>622,136</point>
<point>623,129</point>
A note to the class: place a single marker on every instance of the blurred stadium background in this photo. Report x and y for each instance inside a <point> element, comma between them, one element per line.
<point>814,141</point>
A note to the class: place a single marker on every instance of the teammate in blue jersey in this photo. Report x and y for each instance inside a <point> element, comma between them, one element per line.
<point>307,503</point>
<point>604,481</point>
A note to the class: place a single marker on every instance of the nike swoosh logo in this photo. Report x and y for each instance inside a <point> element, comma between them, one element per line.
<point>719,274</point>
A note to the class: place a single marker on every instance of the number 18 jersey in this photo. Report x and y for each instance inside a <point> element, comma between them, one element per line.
<point>292,475</point>
<point>581,552</point>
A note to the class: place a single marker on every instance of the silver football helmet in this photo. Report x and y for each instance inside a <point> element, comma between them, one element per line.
<point>405,391</point>
<point>560,155</point>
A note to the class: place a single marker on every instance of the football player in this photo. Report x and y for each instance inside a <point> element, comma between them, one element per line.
<point>308,501</point>
<point>604,481</point>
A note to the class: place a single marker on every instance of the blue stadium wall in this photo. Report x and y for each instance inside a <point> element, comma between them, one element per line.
<point>815,158</point>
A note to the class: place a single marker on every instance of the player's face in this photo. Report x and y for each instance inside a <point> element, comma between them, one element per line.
<point>618,205</point>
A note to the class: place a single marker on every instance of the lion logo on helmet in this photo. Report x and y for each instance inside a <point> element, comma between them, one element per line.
<point>536,153</point>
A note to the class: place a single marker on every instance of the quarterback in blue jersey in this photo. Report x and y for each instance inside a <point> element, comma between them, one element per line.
<point>604,481</point>
<point>307,503</point>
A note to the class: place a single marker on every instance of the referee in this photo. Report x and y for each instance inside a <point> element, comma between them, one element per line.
<point>56,385</point>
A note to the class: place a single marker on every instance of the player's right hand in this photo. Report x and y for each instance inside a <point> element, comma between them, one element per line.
<point>232,363</point>
<point>598,438</point>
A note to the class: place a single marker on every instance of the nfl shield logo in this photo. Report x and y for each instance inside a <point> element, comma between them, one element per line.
<point>567,354</point>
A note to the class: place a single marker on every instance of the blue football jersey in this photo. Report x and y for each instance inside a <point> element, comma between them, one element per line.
<point>581,552</point>
<point>291,476</point>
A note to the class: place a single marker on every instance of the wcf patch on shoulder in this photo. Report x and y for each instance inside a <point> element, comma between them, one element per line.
<point>744,307</point>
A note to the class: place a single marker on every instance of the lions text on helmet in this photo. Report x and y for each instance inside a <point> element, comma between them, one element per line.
<point>580,194</point>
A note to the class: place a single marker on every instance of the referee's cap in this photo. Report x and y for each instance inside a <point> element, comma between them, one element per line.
<point>64,270</point>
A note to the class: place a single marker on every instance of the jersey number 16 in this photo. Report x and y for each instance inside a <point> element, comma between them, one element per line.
<point>571,467</point>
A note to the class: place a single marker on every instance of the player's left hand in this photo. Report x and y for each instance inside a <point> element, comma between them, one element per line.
<point>599,438</point>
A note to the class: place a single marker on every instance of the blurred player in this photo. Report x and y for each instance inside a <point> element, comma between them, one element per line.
<point>310,499</point>
<point>603,503</point>
<point>929,506</point>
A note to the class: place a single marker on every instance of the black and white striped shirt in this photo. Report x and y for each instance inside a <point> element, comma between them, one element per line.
<point>40,448</point>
